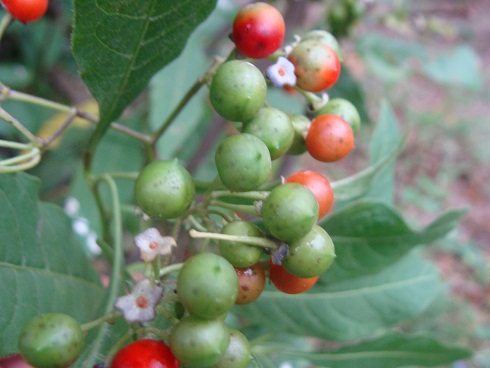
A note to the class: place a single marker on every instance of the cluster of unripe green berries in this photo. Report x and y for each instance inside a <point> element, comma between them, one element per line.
<point>284,235</point>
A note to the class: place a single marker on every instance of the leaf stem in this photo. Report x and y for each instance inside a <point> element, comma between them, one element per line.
<point>259,195</point>
<point>6,20</point>
<point>109,318</point>
<point>170,268</point>
<point>244,208</point>
<point>252,240</point>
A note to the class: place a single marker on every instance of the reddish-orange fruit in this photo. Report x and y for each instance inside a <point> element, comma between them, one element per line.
<point>26,10</point>
<point>317,66</point>
<point>319,185</point>
<point>251,283</point>
<point>258,30</point>
<point>329,138</point>
<point>288,283</point>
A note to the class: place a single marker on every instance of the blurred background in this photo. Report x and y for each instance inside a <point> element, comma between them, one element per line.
<point>428,59</point>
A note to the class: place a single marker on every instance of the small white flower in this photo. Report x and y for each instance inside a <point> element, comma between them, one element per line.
<point>139,306</point>
<point>151,243</point>
<point>281,73</point>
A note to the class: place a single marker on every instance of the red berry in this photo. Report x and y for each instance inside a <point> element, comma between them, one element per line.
<point>251,283</point>
<point>288,283</point>
<point>317,66</point>
<point>26,10</point>
<point>143,354</point>
<point>320,187</point>
<point>329,138</point>
<point>258,30</point>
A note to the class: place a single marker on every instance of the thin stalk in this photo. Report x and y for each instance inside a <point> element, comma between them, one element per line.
<point>259,195</point>
<point>21,128</point>
<point>244,208</point>
<point>7,19</point>
<point>252,240</point>
<point>170,268</point>
<point>109,318</point>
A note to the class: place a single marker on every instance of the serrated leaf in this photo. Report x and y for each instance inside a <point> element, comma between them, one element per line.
<point>370,235</point>
<point>43,267</point>
<point>391,350</point>
<point>350,309</point>
<point>120,45</point>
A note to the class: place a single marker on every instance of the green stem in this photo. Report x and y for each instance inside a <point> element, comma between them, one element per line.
<point>244,208</point>
<point>5,23</point>
<point>183,102</point>
<point>109,318</point>
<point>252,240</point>
<point>259,195</point>
<point>118,256</point>
<point>22,129</point>
<point>226,216</point>
<point>170,268</point>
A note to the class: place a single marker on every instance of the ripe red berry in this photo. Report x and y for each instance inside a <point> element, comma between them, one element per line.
<point>319,185</point>
<point>329,138</point>
<point>288,283</point>
<point>258,30</point>
<point>145,353</point>
<point>317,66</point>
<point>26,10</point>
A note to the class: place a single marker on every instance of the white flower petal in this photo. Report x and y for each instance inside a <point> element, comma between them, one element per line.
<point>139,306</point>
<point>151,243</point>
<point>281,73</point>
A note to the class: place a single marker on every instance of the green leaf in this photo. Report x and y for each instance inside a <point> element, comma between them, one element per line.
<point>349,309</point>
<point>170,84</point>
<point>384,142</point>
<point>43,267</point>
<point>385,147</point>
<point>120,45</point>
<point>386,56</point>
<point>391,350</point>
<point>457,67</point>
<point>370,235</point>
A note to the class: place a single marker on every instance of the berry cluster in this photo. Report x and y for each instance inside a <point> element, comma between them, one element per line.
<point>260,233</point>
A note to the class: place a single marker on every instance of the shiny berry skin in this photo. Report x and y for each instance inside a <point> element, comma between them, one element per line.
<point>237,90</point>
<point>26,10</point>
<point>287,282</point>
<point>310,255</point>
<point>243,162</point>
<point>145,353</point>
<point>239,352</point>
<point>251,283</point>
<point>290,211</point>
<point>52,340</point>
<point>317,66</point>
<point>274,128</point>
<point>258,30</point>
<point>237,253</point>
<point>207,285</point>
<point>320,187</point>
<point>345,109</point>
<point>330,138</point>
<point>326,37</point>
<point>164,189</point>
<point>197,342</point>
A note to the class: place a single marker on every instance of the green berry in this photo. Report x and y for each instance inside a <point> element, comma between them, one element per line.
<point>164,189</point>
<point>290,211</point>
<point>274,128</point>
<point>239,352</point>
<point>237,90</point>
<point>345,109</point>
<point>197,342</point>
<point>207,285</point>
<point>243,162</point>
<point>240,254</point>
<point>310,255</point>
<point>52,340</point>
<point>300,124</point>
